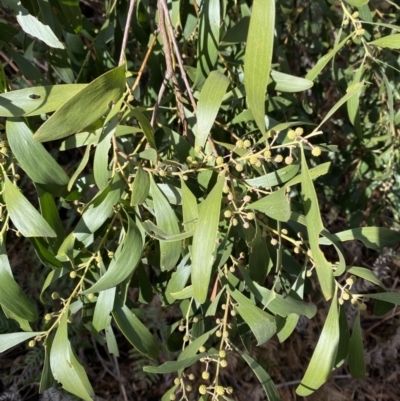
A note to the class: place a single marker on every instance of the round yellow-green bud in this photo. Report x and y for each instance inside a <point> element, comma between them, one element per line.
<point>299,131</point>
<point>354,301</point>
<point>235,222</point>
<point>227,214</point>
<point>355,14</point>
<point>72,274</point>
<point>230,197</point>
<point>350,281</point>
<point>253,159</point>
<point>191,376</point>
<point>218,333</point>
<point>258,164</point>
<point>195,319</point>
<point>291,134</point>
<point>32,343</point>
<point>246,199</point>
<point>316,151</point>
<point>90,296</point>
<point>309,273</point>
<point>188,388</point>
<point>225,189</point>
<point>176,381</point>
<point>345,22</point>
<point>55,295</point>
<point>284,231</point>
<point>247,143</point>
<point>222,353</point>
<point>267,154</point>
<point>181,328</point>
<point>205,375</point>
<point>172,397</point>
<point>162,173</point>
<point>219,161</point>
<point>220,390</point>
<point>288,159</point>
<point>229,390</point>
<point>232,269</point>
<point>233,313</point>
<point>186,338</point>
<point>48,316</point>
<point>225,334</point>
<point>189,159</point>
<point>17,177</point>
<point>98,258</point>
<point>239,144</point>
<point>274,241</point>
<point>18,234</point>
<point>238,167</point>
<point>202,349</point>
<point>250,216</point>
<point>246,225</point>
<point>210,158</point>
<point>203,389</point>
<point>309,253</point>
<point>341,302</point>
<point>362,307</point>
<point>346,296</point>
<point>224,363</point>
<point>360,32</point>
<point>197,149</point>
<point>278,158</point>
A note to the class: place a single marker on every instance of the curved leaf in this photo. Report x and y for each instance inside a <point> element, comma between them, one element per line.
<point>290,83</point>
<point>258,57</point>
<point>204,241</point>
<point>356,351</point>
<point>10,340</point>
<point>389,42</point>
<point>85,107</point>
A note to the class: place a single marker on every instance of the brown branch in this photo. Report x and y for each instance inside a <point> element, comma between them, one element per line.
<point>126,31</point>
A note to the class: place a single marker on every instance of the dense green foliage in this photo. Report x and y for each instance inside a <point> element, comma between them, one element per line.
<point>179,152</point>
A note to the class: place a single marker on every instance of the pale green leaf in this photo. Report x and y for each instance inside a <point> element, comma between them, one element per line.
<point>140,187</point>
<point>314,228</point>
<point>156,233</point>
<point>24,216</point>
<point>366,274</point>
<point>389,42</point>
<point>124,262</point>
<point>32,156</point>
<point>315,172</point>
<point>274,178</point>
<point>324,356</point>
<point>85,107</point>
<point>80,168</point>
<point>204,241</point>
<point>134,330</point>
<point>168,223</point>
<point>103,309</point>
<point>276,205</point>
<point>10,340</point>
<point>174,366</point>
<point>36,100</point>
<point>261,323</point>
<point>289,83</point>
<point>390,297</point>
<point>258,57</point>
<point>178,279</point>
<point>357,3</point>
<point>65,366</point>
<point>189,207</point>
<point>209,103</point>
<point>356,351</point>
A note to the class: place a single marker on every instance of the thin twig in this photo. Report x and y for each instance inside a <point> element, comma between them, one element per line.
<point>14,67</point>
<point>178,54</point>
<point>120,380</point>
<point>126,31</point>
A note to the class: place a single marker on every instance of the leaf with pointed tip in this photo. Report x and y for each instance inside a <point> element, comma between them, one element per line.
<point>204,241</point>
<point>356,351</point>
<point>274,178</point>
<point>290,83</point>
<point>258,57</point>
<point>140,187</point>
<point>10,340</point>
<point>24,216</point>
<point>389,42</point>
<point>85,107</point>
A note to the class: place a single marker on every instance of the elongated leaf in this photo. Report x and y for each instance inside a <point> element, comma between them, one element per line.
<point>178,279</point>
<point>124,262</point>
<point>209,103</point>
<point>289,83</point>
<point>145,125</point>
<point>85,107</point>
<point>65,366</point>
<point>32,156</point>
<point>189,207</point>
<point>389,42</point>
<point>366,274</point>
<point>155,232</point>
<point>373,237</point>
<point>315,172</point>
<point>262,376</point>
<point>37,100</point>
<point>204,241</point>
<point>140,187</point>
<point>24,216</point>
<point>356,351</point>
<point>99,209</point>
<point>324,356</point>
<point>167,222</point>
<point>72,13</point>
<point>174,366</point>
<point>258,57</point>
<point>134,330</point>
<point>274,178</point>
<point>32,25</point>
<point>100,162</point>
<point>314,228</point>
<point>207,51</point>
<point>80,168</point>
<point>323,61</point>
<point>354,102</point>
<point>103,309</point>
<point>275,205</point>
<point>261,323</point>
<point>390,297</point>
<point>11,295</point>
<point>10,340</point>
<point>357,3</point>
